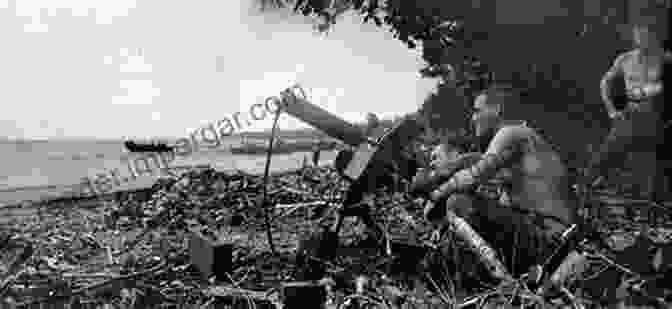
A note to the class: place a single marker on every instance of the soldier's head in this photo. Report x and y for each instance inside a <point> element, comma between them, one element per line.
<point>649,27</point>
<point>488,108</point>
<point>642,35</point>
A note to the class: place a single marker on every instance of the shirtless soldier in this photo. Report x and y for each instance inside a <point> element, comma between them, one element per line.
<point>639,126</point>
<point>541,205</point>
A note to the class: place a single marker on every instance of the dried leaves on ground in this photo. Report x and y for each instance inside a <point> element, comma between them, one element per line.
<point>131,251</point>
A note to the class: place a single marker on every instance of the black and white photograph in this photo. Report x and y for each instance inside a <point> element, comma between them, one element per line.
<point>335,154</point>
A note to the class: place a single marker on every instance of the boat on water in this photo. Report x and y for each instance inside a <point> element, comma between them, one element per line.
<point>132,146</point>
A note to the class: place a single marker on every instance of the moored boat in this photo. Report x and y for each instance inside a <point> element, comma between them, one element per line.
<point>147,147</point>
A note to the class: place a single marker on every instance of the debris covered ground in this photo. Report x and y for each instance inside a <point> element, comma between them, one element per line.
<point>133,251</point>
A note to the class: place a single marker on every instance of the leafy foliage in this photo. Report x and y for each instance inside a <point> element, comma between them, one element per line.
<point>437,27</point>
<point>558,85</point>
<point>428,22</point>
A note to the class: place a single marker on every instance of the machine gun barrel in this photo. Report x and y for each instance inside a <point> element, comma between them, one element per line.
<point>386,151</point>
<point>323,120</point>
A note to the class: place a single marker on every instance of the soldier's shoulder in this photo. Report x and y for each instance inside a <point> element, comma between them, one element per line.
<point>515,130</point>
<point>516,127</point>
<point>508,136</point>
<point>626,56</point>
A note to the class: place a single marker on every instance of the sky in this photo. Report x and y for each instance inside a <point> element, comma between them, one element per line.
<point>150,68</point>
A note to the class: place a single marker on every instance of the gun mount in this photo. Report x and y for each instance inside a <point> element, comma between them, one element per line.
<point>370,157</point>
<point>370,166</point>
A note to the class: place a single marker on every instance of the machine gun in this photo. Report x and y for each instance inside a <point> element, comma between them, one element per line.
<point>368,167</point>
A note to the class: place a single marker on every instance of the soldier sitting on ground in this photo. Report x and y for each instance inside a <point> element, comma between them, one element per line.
<point>541,206</point>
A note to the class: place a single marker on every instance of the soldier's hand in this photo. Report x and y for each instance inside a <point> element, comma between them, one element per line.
<point>616,115</point>
<point>435,158</point>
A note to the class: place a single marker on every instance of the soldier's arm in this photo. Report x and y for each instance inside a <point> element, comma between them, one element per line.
<point>461,162</point>
<point>424,184</point>
<point>615,71</point>
<point>504,149</point>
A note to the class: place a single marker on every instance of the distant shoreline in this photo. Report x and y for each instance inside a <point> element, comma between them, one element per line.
<point>296,133</point>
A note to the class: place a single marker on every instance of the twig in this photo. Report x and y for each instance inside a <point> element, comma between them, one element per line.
<point>14,272</point>
<point>295,191</point>
<point>442,294</point>
<point>125,277</point>
<point>95,285</point>
<point>610,262</point>
<point>236,284</point>
<point>269,154</point>
<point>299,205</point>
<point>364,298</point>
<point>480,298</point>
<point>294,207</point>
<point>570,298</point>
<point>513,295</point>
<point>222,290</point>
